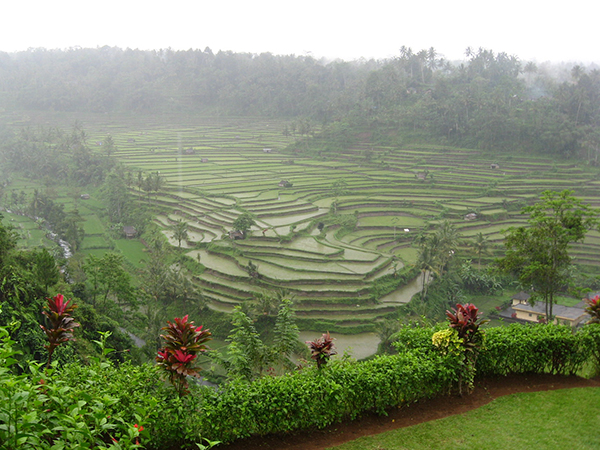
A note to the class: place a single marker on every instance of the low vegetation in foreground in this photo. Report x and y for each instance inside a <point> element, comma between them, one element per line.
<point>105,406</point>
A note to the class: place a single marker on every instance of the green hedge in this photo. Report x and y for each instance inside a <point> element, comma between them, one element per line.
<point>316,399</point>
<point>537,348</point>
<point>305,399</point>
<point>519,348</point>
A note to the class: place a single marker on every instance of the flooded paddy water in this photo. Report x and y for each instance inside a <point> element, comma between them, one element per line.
<point>359,346</point>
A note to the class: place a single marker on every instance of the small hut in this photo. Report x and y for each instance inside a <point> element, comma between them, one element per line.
<point>204,160</point>
<point>129,232</point>
<point>267,150</point>
<point>494,166</point>
<point>236,235</point>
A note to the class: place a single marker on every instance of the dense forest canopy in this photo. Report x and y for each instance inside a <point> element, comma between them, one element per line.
<point>490,100</point>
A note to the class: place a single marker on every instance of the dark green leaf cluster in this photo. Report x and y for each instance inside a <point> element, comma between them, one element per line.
<point>539,253</point>
<point>537,348</point>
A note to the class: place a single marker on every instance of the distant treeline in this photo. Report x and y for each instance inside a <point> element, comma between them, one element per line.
<point>112,79</point>
<point>491,100</point>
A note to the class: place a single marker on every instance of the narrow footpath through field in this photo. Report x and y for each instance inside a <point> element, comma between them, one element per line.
<point>486,390</point>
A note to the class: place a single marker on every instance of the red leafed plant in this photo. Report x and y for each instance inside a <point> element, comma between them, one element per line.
<point>593,309</point>
<point>466,321</point>
<point>322,349</point>
<point>58,311</point>
<point>183,342</point>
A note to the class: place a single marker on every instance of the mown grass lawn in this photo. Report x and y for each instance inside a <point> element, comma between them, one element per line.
<point>552,420</point>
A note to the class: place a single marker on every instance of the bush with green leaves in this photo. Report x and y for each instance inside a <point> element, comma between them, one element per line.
<point>313,398</point>
<point>41,410</point>
<point>535,348</point>
<point>103,406</point>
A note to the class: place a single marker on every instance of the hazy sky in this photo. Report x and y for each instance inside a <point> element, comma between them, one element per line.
<point>529,29</point>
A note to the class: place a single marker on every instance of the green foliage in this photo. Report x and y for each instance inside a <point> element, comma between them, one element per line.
<point>108,279</point>
<point>286,334</point>
<point>477,281</point>
<point>448,342</point>
<point>180,231</point>
<point>590,338</point>
<point>247,356</point>
<point>42,411</point>
<point>45,268</point>
<point>244,222</point>
<point>89,405</point>
<point>534,348</point>
<point>539,254</point>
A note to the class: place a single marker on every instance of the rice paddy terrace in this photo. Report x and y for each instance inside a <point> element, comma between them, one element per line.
<point>218,168</point>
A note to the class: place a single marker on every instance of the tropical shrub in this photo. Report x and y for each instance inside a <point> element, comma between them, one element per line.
<point>462,342</point>
<point>58,313</point>
<point>183,342</point>
<point>42,411</point>
<point>321,349</point>
<point>313,398</point>
<point>466,321</point>
<point>593,309</point>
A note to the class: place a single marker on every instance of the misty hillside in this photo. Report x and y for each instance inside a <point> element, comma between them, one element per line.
<point>491,101</point>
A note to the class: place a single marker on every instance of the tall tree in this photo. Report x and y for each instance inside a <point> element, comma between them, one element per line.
<point>180,231</point>
<point>539,253</point>
<point>286,333</point>
<point>480,244</point>
<point>109,279</point>
<point>244,222</point>
<point>117,197</point>
<point>45,268</point>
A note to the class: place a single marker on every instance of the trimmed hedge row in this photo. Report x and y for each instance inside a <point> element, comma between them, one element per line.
<point>519,348</point>
<point>307,398</point>
<point>317,399</point>
<point>536,349</point>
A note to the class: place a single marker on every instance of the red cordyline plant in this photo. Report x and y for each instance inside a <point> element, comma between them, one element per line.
<point>322,349</point>
<point>58,311</point>
<point>466,321</point>
<point>593,309</point>
<point>183,342</point>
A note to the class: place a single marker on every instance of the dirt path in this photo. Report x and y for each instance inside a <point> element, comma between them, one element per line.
<point>486,390</point>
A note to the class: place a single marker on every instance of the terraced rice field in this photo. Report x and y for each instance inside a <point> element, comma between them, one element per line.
<point>217,168</point>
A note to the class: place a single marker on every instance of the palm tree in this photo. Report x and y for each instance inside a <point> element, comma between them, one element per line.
<point>427,262</point>
<point>432,61</point>
<point>448,239</point>
<point>158,183</point>
<point>481,245</point>
<point>180,231</point>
